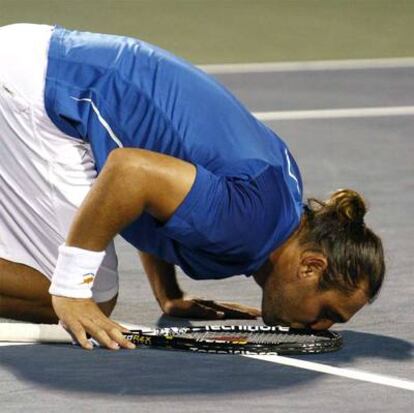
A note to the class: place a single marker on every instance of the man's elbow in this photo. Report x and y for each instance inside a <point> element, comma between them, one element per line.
<point>125,161</point>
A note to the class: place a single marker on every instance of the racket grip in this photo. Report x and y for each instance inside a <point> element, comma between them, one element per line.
<point>33,333</point>
<point>43,333</point>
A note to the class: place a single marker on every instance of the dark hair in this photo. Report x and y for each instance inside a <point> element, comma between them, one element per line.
<point>355,254</point>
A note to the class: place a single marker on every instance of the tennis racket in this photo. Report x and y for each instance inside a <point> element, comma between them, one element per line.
<point>239,339</point>
<point>242,339</point>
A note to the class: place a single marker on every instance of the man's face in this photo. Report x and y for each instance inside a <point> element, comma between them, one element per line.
<point>291,293</point>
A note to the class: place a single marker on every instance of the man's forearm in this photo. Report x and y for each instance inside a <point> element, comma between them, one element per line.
<point>162,277</point>
<point>116,198</point>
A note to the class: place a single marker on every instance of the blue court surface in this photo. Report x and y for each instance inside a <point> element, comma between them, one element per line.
<point>349,125</point>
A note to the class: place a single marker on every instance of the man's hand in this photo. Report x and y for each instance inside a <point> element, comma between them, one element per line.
<point>82,316</point>
<point>208,309</point>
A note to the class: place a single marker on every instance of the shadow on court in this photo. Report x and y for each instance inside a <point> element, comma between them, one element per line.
<point>159,372</point>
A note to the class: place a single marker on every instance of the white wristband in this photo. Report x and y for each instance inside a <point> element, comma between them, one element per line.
<point>75,272</point>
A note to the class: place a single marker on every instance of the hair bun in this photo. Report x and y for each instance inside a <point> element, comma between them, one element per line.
<point>349,206</point>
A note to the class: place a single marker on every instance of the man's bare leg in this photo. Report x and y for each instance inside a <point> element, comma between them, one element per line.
<point>24,295</point>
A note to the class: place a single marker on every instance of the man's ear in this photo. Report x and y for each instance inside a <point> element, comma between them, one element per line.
<point>312,265</point>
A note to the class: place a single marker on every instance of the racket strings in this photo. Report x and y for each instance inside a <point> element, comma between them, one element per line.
<point>255,338</point>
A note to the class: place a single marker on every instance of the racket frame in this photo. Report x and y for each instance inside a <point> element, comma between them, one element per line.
<point>175,338</point>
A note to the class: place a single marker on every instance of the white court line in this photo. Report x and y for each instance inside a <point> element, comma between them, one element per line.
<point>336,113</point>
<point>350,64</point>
<point>338,371</point>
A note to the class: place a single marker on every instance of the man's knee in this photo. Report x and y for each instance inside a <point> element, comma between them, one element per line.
<point>24,294</point>
<point>27,310</point>
<point>23,282</point>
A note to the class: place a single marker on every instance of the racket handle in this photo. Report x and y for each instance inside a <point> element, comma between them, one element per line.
<point>33,333</point>
<point>43,333</point>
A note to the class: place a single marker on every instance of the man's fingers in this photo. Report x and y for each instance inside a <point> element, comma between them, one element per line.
<point>117,326</point>
<point>209,310</point>
<point>199,310</point>
<point>83,317</point>
<point>230,310</point>
<point>242,308</point>
<point>237,315</point>
<point>123,329</point>
<point>191,309</point>
<point>108,334</point>
<point>101,336</point>
<point>249,313</point>
<point>79,334</point>
<point>119,338</point>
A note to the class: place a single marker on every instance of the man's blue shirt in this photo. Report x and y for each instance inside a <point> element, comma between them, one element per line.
<point>114,91</point>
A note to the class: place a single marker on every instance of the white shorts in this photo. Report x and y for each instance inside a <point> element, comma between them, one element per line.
<point>44,174</point>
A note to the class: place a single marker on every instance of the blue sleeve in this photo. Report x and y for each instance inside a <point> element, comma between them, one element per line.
<point>235,219</point>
